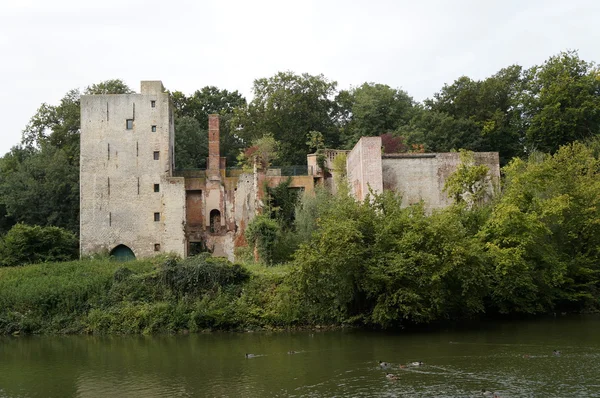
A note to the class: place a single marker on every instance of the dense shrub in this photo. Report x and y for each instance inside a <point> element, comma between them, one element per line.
<point>28,244</point>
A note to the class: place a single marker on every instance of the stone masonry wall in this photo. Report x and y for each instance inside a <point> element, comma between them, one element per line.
<point>422,176</point>
<point>364,167</point>
<point>119,170</point>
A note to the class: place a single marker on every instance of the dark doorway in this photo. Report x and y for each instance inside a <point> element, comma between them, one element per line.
<point>215,221</point>
<point>196,248</point>
<point>122,253</point>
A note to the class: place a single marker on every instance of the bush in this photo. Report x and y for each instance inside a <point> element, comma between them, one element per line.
<point>28,244</point>
<point>199,274</point>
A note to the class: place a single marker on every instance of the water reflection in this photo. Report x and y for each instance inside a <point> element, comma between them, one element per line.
<point>513,359</point>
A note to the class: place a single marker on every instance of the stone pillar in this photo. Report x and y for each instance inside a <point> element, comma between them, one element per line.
<point>214,155</point>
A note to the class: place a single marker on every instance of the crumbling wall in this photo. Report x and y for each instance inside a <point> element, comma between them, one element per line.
<point>422,176</point>
<point>364,167</point>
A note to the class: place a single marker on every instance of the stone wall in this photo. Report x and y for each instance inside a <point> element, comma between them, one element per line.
<point>422,176</point>
<point>364,167</point>
<point>125,174</point>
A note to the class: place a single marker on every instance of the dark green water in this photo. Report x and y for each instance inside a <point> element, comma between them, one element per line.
<point>329,364</point>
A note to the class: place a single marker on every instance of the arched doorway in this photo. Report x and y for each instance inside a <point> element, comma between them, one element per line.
<point>122,253</point>
<point>215,221</point>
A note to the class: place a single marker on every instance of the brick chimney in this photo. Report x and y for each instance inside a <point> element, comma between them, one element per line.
<point>214,156</point>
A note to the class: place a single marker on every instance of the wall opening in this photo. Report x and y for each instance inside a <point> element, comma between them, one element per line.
<point>215,221</point>
<point>129,124</point>
<point>196,248</point>
<point>122,253</point>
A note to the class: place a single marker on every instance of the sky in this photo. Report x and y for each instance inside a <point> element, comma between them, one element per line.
<point>50,47</point>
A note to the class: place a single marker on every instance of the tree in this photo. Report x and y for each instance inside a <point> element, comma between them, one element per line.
<point>206,101</point>
<point>480,115</point>
<point>260,154</point>
<point>39,182</point>
<point>543,237</point>
<point>289,106</point>
<point>25,244</point>
<point>376,109</point>
<point>41,186</point>
<point>191,144</point>
<point>562,102</point>
<point>113,86</point>
<point>468,184</point>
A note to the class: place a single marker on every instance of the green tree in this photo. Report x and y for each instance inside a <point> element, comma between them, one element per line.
<point>113,86</point>
<point>562,102</point>
<point>41,187</point>
<point>543,236</point>
<point>468,184</point>
<point>261,234</point>
<point>375,109</point>
<point>203,102</point>
<point>191,144</point>
<point>479,115</point>
<point>289,106</point>
<point>39,183</point>
<point>25,244</point>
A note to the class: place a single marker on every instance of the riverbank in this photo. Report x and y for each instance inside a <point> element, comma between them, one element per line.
<point>159,295</point>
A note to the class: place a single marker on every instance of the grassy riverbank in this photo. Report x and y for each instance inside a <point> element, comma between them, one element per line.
<point>148,296</point>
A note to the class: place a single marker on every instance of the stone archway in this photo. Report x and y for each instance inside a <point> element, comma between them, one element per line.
<point>122,253</point>
<point>215,221</point>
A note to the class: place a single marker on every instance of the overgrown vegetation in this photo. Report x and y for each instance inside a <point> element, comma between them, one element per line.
<point>372,263</point>
<point>331,260</point>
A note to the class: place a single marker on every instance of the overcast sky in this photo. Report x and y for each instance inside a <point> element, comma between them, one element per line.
<point>48,47</point>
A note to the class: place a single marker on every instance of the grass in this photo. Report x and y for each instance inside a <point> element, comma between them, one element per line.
<point>149,296</point>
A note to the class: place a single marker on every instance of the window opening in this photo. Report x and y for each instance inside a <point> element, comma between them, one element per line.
<point>215,221</point>
<point>129,124</point>
<point>157,247</point>
<point>156,155</point>
<point>156,187</point>
<point>153,104</point>
<point>154,129</point>
<point>156,216</point>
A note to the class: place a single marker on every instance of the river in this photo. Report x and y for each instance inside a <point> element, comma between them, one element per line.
<point>510,358</point>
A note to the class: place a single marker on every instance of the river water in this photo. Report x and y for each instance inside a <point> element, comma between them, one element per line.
<point>513,359</point>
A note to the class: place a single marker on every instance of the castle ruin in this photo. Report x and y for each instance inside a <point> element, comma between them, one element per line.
<point>135,204</point>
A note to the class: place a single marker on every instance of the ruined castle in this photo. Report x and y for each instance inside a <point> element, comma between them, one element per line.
<point>135,204</point>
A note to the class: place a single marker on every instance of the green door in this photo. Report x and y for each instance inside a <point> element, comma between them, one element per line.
<point>122,253</point>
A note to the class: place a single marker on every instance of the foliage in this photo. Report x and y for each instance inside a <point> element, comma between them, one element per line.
<point>261,233</point>
<point>468,184</point>
<point>289,106</point>
<point>374,109</point>
<point>41,187</point>
<point>25,244</point>
<point>543,234</point>
<point>562,102</point>
<point>196,275</point>
<point>377,263</point>
<point>282,202</point>
<point>208,100</point>
<point>191,144</point>
<point>113,86</point>
<point>260,154</point>
<point>39,181</point>
<point>392,144</point>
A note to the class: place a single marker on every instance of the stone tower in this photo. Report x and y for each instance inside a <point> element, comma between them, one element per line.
<point>131,205</point>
